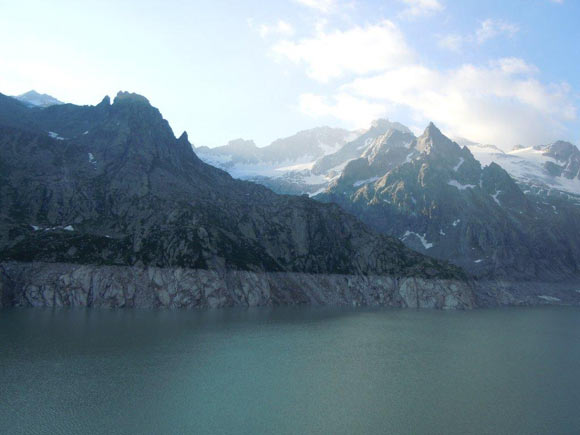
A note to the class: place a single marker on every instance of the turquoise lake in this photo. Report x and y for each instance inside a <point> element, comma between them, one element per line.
<point>290,371</point>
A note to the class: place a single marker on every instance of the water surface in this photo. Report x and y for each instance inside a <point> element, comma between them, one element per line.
<point>290,371</point>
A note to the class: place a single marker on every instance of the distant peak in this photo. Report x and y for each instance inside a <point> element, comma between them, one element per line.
<point>31,93</point>
<point>383,125</point>
<point>381,122</point>
<point>241,143</point>
<point>130,97</point>
<point>562,150</point>
<point>563,144</point>
<point>33,98</point>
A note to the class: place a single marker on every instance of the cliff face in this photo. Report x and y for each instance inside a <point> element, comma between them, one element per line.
<point>110,185</point>
<point>59,284</point>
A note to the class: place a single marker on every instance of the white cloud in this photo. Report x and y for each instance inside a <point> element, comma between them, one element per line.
<point>417,8</point>
<point>490,28</point>
<point>501,103</point>
<point>452,42</point>
<point>320,5</point>
<point>355,112</point>
<point>281,28</point>
<point>514,65</point>
<point>359,50</point>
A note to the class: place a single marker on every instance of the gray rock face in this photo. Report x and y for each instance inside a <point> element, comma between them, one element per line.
<point>441,202</point>
<point>58,285</point>
<point>110,185</point>
<point>355,148</point>
<point>568,157</point>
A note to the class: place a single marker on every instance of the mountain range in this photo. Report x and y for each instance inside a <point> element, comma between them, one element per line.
<point>103,205</point>
<point>510,216</point>
<point>435,196</point>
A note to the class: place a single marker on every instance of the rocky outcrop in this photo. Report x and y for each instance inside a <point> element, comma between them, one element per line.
<point>441,201</point>
<point>568,158</point>
<point>58,285</point>
<point>354,148</point>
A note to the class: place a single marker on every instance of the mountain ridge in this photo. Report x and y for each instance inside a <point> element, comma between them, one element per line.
<point>111,185</point>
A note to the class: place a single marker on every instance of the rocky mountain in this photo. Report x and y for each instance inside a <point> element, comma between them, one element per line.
<point>243,159</point>
<point>355,148</point>
<point>305,163</point>
<point>548,170</point>
<point>437,197</point>
<point>103,205</point>
<point>34,99</point>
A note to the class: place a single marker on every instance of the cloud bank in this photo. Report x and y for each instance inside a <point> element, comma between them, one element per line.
<point>371,71</point>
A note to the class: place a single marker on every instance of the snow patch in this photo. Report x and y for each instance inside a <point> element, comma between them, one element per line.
<point>54,135</point>
<point>455,222</point>
<point>478,261</point>
<point>92,159</point>
<point>526,165</point>
<point>367,181</point>
<point>423,239</point>
<point>458,165</point>
<point>442,232</point>
<point>549,298</point>
<point>495,195</point>
<point>322,189</point>
<point>460,186</point>
<point>69,228</point>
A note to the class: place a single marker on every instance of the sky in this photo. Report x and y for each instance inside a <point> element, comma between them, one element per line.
<point>499,72</point>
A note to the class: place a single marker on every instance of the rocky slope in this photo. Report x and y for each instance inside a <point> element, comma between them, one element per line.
<point>436,197</point>
<point>111,186</point>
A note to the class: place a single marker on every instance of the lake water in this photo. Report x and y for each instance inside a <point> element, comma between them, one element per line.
<point>290,371</point>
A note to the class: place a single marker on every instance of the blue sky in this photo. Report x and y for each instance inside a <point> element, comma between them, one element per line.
<point>502,72</point>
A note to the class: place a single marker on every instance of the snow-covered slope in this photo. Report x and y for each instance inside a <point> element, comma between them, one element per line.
<point>554,166</point>
<point>285,165</point>
<point>306,162</point>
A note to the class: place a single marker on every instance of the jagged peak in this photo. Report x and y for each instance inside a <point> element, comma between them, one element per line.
<point>130,97</point>
<point>106,101</point>
<point>563,145</point>
<point>433,141</point>
<point>432,130</point>
<point>183,137</point>
<point>393,138</point>
<point>562,151</point>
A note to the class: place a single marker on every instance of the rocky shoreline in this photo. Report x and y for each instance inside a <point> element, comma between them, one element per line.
<point>61,284</point>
